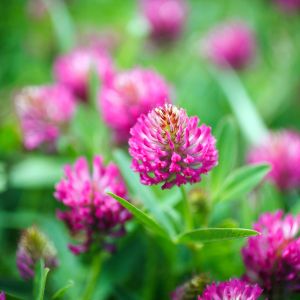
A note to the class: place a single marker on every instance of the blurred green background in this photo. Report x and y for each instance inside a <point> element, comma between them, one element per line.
<point>31,38</point>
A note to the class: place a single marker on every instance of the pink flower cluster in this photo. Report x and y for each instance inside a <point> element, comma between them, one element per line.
<point>289,5</point>
<point>2,296</point>
<point>43,112</point>
<point>91,212</point>
<point>282,151</point>
<point>129,95</point>
<point>74,69</point>
<point>230,45</point>
<point>165,17</point>
<point>272,259</point>
<point>231,290</point>
<point>169,147</point>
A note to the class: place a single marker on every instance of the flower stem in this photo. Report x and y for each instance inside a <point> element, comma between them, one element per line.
<point>93,277</point>
<point>186,209</point>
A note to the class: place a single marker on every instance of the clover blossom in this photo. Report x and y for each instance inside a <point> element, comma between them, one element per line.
<point>169,147</point>
<point>73,69</point>
<point>130,94</point>
<point>272,259</point>
<point>229,45</point>
<point>92,216</point>
<point>282,151</point>
<point>166,18</point>
<point>231,290</point>
<point>43,112</point>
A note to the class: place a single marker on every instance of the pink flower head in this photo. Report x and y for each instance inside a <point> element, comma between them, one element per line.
<point>272,258</point>
<point>231,290</point>
<point>73,69</point>
<point>131,94</point>
<point>2,296</point>
<point>289,5</point>
<point>166,18</point>
<point>282,151</point>
<point>230,45</point>
<point>91,213</point>
<point>43,111</point>
<point>169,147</point>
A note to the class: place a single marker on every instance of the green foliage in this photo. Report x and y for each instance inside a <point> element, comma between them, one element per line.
<point>227,146</point>
<point>41,274</point>
<point>36,172</point>
<point>204,235</point>
<point>61,292</point>
<point>145,195</point>
<point>142,217</point>
<point>241,181</point>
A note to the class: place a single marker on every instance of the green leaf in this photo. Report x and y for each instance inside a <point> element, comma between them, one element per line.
<point>242,106</point>
<point>36,172</point>
<point>142,217</point>
<point>62,24</point>
<point>205,235</point>
<point>242,181</point>
<point>144,193</point>
<point>227,146</point>
<point>61,292</point>
<point>40,280</point>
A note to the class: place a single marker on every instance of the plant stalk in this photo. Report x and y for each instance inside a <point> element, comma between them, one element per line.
<point>93,277</point>
<point>186,210</point>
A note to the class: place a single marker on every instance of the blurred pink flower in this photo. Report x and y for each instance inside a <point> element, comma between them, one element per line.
<point>272,258</point>
<point>34,246</point>
<point>282,151</point>
<point>2,296</point>
<point>43,111</point>
<point>169,147</point>
<point>73,69</point>
<point>229,45</point>
<point>231,290</point>
<point>166,18</point>
<point>131,94</point>
<point>289,5</point>
<point>92,214</point>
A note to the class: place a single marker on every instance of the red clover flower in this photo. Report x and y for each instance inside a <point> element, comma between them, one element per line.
<point>282,151</point>
<point>92,214</point>
<point>231,290</point>
<point>272,259</point>
<point>131,94</point>
<point>43,112</point>
<point>171,148</point>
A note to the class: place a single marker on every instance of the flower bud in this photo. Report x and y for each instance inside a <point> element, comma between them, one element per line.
<point>33,247</point>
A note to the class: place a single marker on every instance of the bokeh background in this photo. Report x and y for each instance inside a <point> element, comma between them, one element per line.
<point>31,36</point>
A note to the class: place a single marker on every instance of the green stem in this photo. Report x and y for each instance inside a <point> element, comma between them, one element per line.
<point>186,209</point>
<point>93,277</point>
